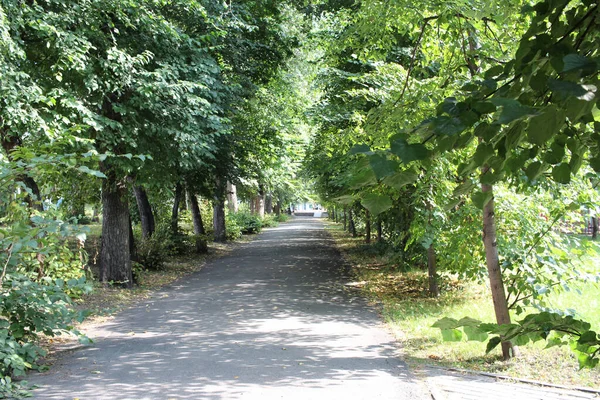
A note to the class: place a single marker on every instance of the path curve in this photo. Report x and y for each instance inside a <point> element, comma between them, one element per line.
<point>272,320</point>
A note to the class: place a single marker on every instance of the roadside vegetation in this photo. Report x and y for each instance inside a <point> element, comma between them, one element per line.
<point>410,312</point>
<point>178,123</point>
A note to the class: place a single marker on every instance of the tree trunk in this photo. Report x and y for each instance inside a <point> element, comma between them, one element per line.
<point>278,208</point>
<point>175,212</point>
<point>260,203</point>
<point>434,290</point>
<point>594,228</point>
<point>201,245</point>
<point>132,246</point>
<point>345,219</point>
<point>252,205</point>
<point>379,230</point>
<point>232,202</point>
<point>367,226</point>
<point>269,204</point>
<point>115,256</point>
<point>220,233</point>
<point>351,226</point>
<point>146,214</point>
<point>493,267</point>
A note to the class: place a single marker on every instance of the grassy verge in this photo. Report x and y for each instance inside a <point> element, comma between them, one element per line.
<point>410,313</point>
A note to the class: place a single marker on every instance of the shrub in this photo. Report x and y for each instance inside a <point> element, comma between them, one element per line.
<point>248,223</point>
<point>28,308</point>
<point>152,252</point>
<point>269,221</point>
<point>283,217</point>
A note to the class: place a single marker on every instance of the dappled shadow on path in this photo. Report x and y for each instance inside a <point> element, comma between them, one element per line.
<point>271,320</point>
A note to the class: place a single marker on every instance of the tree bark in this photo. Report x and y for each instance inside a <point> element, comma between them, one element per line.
<point>594,228</point>
<point>367,226</point>
<point>351,226</point>
<point>145,209</point>
<point>232,202</point>
<point>220,233</point>
<point>269,204</point>
<point>434,290</point>
<point>175,211</point>
<point>260,203</point>
<point>278,208</point>
<point>493,267</point>
<point>345,219</point>
<point>115,255</point>
<point>379,230</point>
<point>201,245</point>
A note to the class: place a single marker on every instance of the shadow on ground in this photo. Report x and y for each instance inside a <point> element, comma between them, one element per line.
<point>274,319</point>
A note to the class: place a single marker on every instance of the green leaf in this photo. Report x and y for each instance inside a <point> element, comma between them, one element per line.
<point>565,88</point>
<point>382,166</point>
<point>492,344</point>
<point>468,321</point>
<point>376,203</point>
<point>89,171</point>
<point>444,125</point>
<point>464,188</point>
<point>360,149</point>
<point>475,334</point>
<point>520,340</point>
<point>401,179</point>
<point>364,177</point>
<point>534,170</point>
<point>576,61</point>
<point>451,335</point>
<point>344,199</point>
<point>408,152</point>
<point>512,110</point>
<point>494,71</point>
<point>588,337</point>
<point>480,199</point>
<point>562,173</point>
<point>446,323</point>
<point>544,126</point>
<point>483,153</point>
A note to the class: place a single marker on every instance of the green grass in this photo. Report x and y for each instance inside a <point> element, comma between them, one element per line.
<point>410,315</point>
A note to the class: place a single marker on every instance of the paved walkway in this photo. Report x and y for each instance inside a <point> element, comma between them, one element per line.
<point>272,320</point>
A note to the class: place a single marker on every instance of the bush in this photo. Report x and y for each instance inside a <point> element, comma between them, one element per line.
<point>28,308</point>
<point>248,223</point>
<point>232,227</point>
<point>283,217</point>
<point>152,252</point>
<point>269,221</point>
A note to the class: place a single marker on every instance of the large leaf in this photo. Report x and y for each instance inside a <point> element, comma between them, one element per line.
<point>382,166</point>
<point>492,344</point>
<point>451,335</point>
<point>576,61</point>
<point>362,178</point>
<point>360,149</point>
<point>348,199</point>
<point>562,173</point>
<point>512,110</point>
<point>446,323</point>
<point>401,179</point>
<point>476,334</point>
<point>566,88</point>
<point>408,152</point>
<point>480,199</point>
<point>544,126</point>
<point>376,203</point>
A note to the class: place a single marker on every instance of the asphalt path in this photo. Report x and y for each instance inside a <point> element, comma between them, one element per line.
<point>274,319</point>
